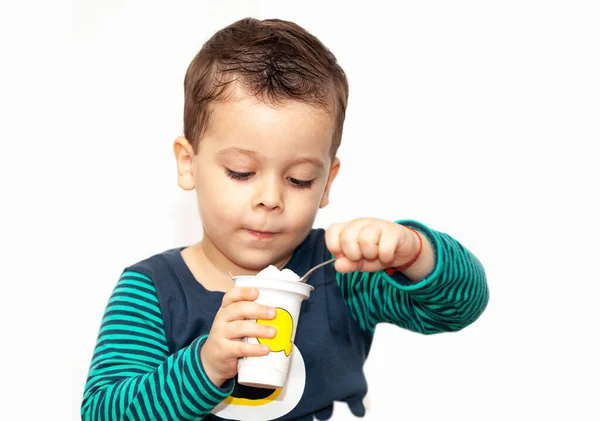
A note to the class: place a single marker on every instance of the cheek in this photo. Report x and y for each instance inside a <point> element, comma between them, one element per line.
<point>216,200</point>
<point>302,210</point>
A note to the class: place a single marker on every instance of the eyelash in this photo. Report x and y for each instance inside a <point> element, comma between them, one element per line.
<point>301,184</point>
<point>241,176</point>
<point>245,176</point>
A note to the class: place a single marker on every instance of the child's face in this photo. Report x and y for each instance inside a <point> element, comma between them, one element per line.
<point>261,173</point>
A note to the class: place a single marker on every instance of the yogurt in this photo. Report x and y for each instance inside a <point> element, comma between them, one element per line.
<point>271,272</point>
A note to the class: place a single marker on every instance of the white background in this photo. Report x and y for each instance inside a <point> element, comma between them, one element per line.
<point>479,119</point>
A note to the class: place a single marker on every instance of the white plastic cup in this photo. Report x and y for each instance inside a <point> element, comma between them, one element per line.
<point>270,371</point>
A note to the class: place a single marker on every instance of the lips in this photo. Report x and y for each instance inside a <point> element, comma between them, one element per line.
<point>261,234</point>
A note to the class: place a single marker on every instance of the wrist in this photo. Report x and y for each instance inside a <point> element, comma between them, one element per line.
<point>211,373</point>
<point>403,263</point>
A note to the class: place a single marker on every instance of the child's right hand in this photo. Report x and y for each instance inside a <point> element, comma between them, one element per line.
<point>224,345</point>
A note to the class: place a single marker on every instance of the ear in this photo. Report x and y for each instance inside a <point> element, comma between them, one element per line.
<point>184,155</point>
<point>333,172</point>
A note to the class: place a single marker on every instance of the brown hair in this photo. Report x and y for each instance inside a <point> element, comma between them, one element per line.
<point>272,59</point>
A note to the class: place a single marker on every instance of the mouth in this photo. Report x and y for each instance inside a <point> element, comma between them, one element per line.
<point>261,234</point>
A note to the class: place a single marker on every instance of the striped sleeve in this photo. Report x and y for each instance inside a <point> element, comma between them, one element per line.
<point>132,376</point>
<point>450,298</point>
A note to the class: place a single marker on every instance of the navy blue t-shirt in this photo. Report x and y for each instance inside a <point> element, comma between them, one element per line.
<point>332,345</point>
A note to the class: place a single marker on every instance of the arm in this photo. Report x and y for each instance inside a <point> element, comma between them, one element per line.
<point>132,376</point>
<point>451,295</point>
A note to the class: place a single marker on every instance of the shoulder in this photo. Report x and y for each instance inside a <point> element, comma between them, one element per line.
<point>155,265</point>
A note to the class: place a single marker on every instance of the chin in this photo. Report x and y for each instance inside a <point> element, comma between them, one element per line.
<point>257,261</point>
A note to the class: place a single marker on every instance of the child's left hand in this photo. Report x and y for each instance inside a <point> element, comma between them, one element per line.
<point>370,244</point>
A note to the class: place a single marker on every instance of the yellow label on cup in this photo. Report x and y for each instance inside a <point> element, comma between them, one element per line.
<point>284,324</point>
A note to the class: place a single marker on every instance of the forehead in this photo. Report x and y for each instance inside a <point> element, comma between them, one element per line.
<point>289,125</point>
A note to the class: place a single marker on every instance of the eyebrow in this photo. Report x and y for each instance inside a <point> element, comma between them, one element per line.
<point>252,154</point>
<point>314,161</point>
<point>234,150</point>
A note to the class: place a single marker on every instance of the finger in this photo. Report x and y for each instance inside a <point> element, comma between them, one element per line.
<point>345,265</point>
<point>239,294</point>
<point>388,245</point>
<point>332,238</point>
<point>244,349</point>
<point>368,240</point>
<point>349,239</point>
<point>248,310</point>
<point>247,329</point>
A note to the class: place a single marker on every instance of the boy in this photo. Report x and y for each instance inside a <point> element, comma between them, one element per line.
<point>264,109</point>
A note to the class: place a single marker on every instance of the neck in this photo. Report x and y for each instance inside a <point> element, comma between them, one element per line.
<point>215,259</point>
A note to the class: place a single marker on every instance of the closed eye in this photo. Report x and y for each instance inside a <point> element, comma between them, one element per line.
<point>241,176</point>
<point>300,184</point>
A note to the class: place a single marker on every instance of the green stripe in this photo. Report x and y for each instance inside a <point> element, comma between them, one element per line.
<point>95,404</point>
<point>157,398</point>
<point>113,400</point>
<point>133,347</point>
<point>129,393</point>
<point>134,310</point>
<point>107,397</point>
<point>136,275</point>
<point>117,361</point>
<point>154,361</point>
<point>125,289</point>
<point>138,411</point>
<point>175,391</point>
<point>133,390</point>
<point>165,396</point>
<point>122,374</point>
<point>183,381</point>
<point>140,286</point>
<point>178,376</point>
<point>133,329</point>
<point>95,384</point>
<point>123,299</point>
<point>187,363</point>
<point>117,395</point>
<point>147,405</point>
<point>123,393</point>
<point>196,403</point>
<point>352,299</point>
<point>134,319</point>
<point>140,340</point>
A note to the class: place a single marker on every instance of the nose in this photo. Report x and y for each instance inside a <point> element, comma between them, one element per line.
<point>269,195</point>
